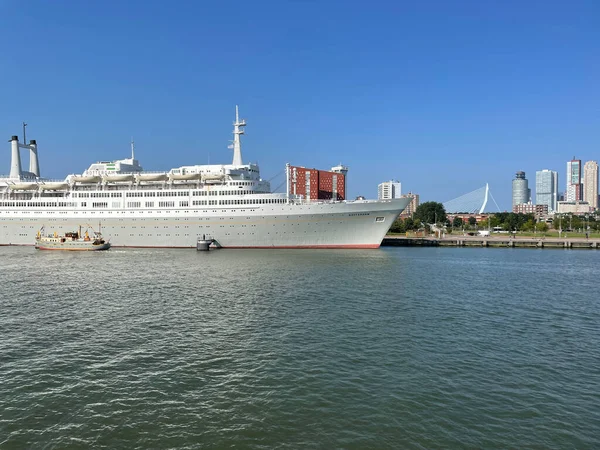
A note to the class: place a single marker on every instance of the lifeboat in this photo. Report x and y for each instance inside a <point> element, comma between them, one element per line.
<point>213,178</point>
<point>185,176</point>
<point>86,178</point>
<point>53,186</point>
<point>119,177</point>
<point>152,177</point>
<point>23,186</point>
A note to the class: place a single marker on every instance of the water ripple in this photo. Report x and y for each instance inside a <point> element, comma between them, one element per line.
<point>397,348</point>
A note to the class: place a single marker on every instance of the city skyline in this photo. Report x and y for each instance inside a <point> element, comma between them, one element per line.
<point>581,187</point>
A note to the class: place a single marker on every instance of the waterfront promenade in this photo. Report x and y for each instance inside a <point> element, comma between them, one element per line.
<point>492,241</point>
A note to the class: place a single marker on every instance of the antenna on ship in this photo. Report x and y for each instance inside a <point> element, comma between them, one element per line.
<point>132,149</point>
<point>237,131</point>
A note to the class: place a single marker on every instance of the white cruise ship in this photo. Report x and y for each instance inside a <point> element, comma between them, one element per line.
<point>229,203</point>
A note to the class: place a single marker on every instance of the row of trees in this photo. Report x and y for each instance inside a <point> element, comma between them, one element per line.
<point>572,222</point>
<point>429,213</point>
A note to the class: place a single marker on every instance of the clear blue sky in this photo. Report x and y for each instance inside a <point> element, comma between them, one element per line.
<point>442,95</point>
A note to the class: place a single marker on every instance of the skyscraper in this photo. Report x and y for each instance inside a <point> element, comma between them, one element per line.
<point>574,186</point>
<point>546,189</point>
<point>388,190</point>
<point>590,183</point>
<point>520,189</point>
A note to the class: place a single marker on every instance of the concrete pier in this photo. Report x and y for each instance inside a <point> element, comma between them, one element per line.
<point>491,241</point>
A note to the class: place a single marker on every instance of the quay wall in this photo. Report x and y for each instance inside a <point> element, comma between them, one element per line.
<point>491,241</point>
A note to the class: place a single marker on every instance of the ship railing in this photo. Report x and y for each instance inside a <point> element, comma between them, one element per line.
<point>51,180</point>
<point>99,173</point>
<point>31,180</point>
<point>305,201</point>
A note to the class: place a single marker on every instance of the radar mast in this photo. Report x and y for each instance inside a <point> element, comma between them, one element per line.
<point>238,130</point>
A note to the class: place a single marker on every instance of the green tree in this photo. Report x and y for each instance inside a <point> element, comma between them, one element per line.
<point>398,226</point>
<point>528,226</point>
<point>495,221</point>
<point>430,212</point>
<point>556,222</point>
<point>485,224</point>
<point>501,218</point>
<point>512,222</point>
<point>541,227</point>
<point>457,222</point>
<point>472,221</point>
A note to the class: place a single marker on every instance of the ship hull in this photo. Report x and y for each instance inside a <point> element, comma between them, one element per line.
<point>314,225</point>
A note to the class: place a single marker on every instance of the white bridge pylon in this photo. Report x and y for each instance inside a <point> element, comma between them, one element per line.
<point>473,202</point>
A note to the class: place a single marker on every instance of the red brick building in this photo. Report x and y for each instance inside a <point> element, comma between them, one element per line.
<point>316,184</point>
<point>530,208</point>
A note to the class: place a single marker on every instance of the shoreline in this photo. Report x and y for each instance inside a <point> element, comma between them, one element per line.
<point>491,241</point>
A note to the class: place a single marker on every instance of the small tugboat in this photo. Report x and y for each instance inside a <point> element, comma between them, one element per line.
<point>71,241</point>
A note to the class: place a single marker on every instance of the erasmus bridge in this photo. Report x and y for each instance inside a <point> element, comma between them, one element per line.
<point>474,202</point>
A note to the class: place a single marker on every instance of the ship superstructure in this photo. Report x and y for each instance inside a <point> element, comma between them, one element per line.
<point>229,202</point>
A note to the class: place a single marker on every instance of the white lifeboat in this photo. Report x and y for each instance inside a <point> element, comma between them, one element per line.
<point>152,177</point>
<point>185,176</point>
<point>23,186</point>
<point>86,178</point>
<point>53,186</point>
<point>119,177</point>
<point>213,178</point>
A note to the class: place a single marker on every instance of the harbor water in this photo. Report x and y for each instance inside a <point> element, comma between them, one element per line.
<point>262,349</point>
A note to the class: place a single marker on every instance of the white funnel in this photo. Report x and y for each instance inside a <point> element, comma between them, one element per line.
<point>34,164</point>
<point>15,161</point>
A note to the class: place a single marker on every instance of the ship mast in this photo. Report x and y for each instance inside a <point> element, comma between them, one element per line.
<point>132,148</point>
<point>237,131</point>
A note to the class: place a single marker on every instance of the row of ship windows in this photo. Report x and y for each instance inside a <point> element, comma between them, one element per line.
<point>97,194</point>
<point>197,234</point>
<point>38,204</point>
<point>208,219</point>
<point>160,194</point>
<point>185,204</point>
<point>161,204</point>
<point>205,211</point>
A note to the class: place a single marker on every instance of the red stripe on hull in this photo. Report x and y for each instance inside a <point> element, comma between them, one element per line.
<point>324,247</point>
<point>71,249</point>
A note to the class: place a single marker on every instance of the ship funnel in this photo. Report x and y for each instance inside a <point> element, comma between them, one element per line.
<point>34,164</point>
<point>15,161</point>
